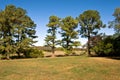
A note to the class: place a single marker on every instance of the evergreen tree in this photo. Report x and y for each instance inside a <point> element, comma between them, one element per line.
<point>116,25</point>
<point>69,34</point>
<point>90,23</point>
<point>17,30</point>
<point>51,37</point>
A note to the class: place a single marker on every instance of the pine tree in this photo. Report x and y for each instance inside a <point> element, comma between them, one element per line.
<point>51,37</point>
<point>69,34</point>
<point>17,30</point>
<point>90,23</point>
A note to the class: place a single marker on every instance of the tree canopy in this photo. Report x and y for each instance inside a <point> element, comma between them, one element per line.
<point>17,30</point>
<point>116,22</point>
<point>68,33</point>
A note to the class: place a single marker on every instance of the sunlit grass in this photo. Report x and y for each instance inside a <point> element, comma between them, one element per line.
<point>62,68</point>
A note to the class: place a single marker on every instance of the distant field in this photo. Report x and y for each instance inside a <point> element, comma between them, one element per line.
<point>61,68</point>
<point>62,53</point>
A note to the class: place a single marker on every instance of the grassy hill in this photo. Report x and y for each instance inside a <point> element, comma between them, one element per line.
<point>62,68</point>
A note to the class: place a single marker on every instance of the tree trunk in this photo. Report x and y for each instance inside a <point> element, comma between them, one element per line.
<point>53,42</point>
<point>67,43</point>
<point>18,55</point>
<point>88,44</point>
<point>88,47</point>
<point>7,56</point>
<point>53,51</point>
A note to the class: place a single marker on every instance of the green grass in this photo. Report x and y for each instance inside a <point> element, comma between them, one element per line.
<point>62,68</point>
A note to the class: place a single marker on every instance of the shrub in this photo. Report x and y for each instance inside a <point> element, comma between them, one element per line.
<point>67,52</point>
<point>36,54</point>
<point>103,49</point>
<point>33,53</point>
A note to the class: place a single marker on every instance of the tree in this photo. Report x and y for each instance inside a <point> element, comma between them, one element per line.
<point>68,33</point>
<point>17,30</point>
<point>6,31</point>
<point>24,30</point>
<point>116,23</point>
<point>90,23</point>
<point>51,37</point>
<point>116,42</point>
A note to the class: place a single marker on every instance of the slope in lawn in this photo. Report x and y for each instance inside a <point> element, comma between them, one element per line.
<point>65,68</point>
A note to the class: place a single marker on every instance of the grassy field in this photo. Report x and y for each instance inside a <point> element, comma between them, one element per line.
<point>60,68</point>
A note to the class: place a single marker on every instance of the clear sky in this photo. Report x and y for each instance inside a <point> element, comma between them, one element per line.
<point>41,10</point>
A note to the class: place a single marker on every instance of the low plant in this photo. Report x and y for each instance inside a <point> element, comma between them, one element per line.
<point>34,53</point>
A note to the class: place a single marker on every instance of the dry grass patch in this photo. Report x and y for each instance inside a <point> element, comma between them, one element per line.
<point>62,68</point>
<point>62,53</point>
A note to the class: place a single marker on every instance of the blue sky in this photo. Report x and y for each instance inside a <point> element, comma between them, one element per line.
<point>40,10</point>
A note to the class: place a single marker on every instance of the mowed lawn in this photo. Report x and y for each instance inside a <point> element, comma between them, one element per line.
<point>60,68</point>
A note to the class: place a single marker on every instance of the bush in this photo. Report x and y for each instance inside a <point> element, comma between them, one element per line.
<point>102,49</point>
<point>33,53</point>
<point>109,46</point>
<point>2,56</point>
<point>67,52</point>
<point>36,54</point>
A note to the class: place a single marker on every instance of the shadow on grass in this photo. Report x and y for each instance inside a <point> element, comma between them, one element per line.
<point>109,57</point>
<point>116,58</point>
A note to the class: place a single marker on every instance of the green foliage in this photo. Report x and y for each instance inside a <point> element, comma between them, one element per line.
<point>109,46</point>
<point>90,23</point>
<point>103,49</point>
<point>17,30</point>
<point>116,37</point>
<point>67,52</point>
<point>69,34</point>
<point>116,46</point>
<point>76,44</point>
<point>33,53</point>
<point>116,23</point>
<point>50,39</point>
